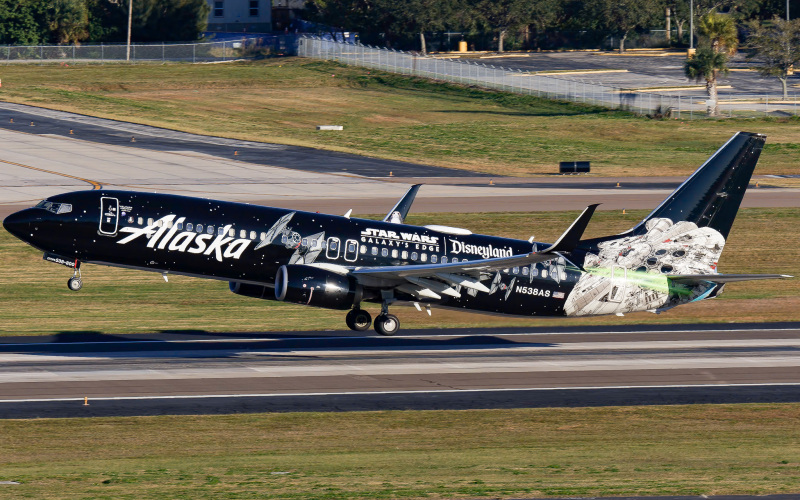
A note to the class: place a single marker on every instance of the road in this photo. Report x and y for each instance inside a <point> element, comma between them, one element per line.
<point>422,369</point>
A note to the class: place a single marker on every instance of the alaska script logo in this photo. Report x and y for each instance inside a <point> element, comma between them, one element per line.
<point>160,236</point>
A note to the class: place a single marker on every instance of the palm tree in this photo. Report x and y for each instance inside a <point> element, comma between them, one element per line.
<point>711,60</point>
<point>707,65</point>
<point>720,31</point>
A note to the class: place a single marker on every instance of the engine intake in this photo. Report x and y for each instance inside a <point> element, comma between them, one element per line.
<point>313,286</point>
<point>255,291</point>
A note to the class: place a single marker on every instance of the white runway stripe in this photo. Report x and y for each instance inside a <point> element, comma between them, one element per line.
<point>363,393</point>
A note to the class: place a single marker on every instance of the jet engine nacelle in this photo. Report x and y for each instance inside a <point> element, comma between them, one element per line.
<point>309,285</point>
<point>249,290</point>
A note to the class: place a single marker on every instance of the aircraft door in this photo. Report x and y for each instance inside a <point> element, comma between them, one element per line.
<point>109,216</point>
<point>332,250</point>
<point>619,279</point>
<point>351,251</point>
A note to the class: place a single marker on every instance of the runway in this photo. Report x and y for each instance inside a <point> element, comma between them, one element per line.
<point>422,369</point>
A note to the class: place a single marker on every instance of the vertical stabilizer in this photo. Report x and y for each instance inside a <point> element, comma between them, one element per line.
<point>712,195</point>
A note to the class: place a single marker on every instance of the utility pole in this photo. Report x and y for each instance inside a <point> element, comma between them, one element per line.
<point>787,10</point>
<point>130,20</point>
<point>691,24</point>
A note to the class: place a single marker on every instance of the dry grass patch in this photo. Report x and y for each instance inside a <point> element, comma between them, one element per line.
<point>391,116</point>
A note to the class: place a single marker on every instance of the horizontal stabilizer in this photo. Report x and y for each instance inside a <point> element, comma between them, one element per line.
<point>695,279</point>
<point>569,240</point>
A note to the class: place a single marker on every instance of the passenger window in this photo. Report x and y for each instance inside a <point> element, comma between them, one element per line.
<point>252,235</point>
<point>140,221</point>
<point>189,226</point>
<point>444,259</point>
<point>351,247</point>
<point>524,271</point>
<point>303,242</point>
<point>384,252</point>
<point>394,254</point>
<point>180,226</point>
<point>220,231</point>
<point>284,239</point>
<point>199,228</point>
<point>334,245</point>
<point>404,255</point>
<point>434,258</point>
<point>243,234</point>
<point>414,256</point>
<point>232,232</point>
<point>169,224</point>
<point>210,229</point>
<point>130,220</point>
<point>263,236</point>
<point>423,257</point>
<point>363,249</point>
<point>150,221</point>
<point>515,270</point>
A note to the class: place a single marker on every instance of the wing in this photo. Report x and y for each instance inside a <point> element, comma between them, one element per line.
<point>400,211</point>
<point>432,280</point>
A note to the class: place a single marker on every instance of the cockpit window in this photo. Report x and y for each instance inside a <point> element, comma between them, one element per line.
<point>56,208</point>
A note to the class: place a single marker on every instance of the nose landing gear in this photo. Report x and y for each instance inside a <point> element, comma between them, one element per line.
<point>75,283</point>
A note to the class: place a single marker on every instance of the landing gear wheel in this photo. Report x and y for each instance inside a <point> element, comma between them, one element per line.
<point>74,283</point>
<point>387,324</point>
<point>358,320</point>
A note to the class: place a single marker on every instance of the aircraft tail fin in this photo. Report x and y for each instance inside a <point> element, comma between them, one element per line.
<point>711,196</point>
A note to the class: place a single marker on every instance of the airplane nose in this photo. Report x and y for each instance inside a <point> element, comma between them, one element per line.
<point>19,223</point>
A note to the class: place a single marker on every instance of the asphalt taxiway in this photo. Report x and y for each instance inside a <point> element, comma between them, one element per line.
<point>195,372</point>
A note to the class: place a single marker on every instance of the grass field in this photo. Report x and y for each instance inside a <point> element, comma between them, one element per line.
<point>389,116</point>
<point>36,301</point>
<point>678,450</point>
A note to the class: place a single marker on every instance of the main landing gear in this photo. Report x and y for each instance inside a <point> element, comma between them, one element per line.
<point>75,283</point>
<point>360,320</point>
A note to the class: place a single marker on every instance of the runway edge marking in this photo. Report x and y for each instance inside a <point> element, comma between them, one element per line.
<point>368,393</point>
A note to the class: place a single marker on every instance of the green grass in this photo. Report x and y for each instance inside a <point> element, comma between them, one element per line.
<point>391,116</point>
<point>676,450</point>
<point>35,299</point>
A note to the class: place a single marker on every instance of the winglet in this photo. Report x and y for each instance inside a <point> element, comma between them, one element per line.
<point>572,236</point>
<point>400,211</point>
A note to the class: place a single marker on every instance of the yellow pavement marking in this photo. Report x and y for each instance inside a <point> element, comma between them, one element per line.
<point>95,185</point>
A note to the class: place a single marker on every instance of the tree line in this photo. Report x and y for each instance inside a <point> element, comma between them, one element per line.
<point>532,24</point>
<point>35,22</point>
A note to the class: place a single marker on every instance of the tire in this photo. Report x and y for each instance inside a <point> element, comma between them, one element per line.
<point>358,320</point>
<point>387,324</point>
<point>74,284</point>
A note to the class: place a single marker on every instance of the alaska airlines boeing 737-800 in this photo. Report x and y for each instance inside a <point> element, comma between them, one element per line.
<point>339,262</point>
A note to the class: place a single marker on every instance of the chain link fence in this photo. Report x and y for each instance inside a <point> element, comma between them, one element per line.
<point>564,88</point>
<point>241,48</point>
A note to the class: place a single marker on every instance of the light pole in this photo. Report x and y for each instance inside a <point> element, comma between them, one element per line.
<point>691,24</point>
<point>130,19</point>
<point>787,10</point>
